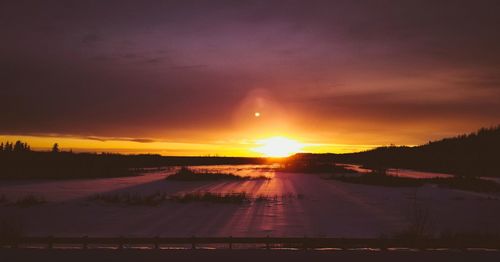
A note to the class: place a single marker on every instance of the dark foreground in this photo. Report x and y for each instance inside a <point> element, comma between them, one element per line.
<point>242,255</point>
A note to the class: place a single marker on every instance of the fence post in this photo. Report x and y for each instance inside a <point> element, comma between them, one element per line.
<point>304,243</point>
<point>230,242</point>
<point>267,242</point>
<point>50,243</point>
<point>15,243</point>
<point>156,244</point>
<point>384,245</point>
<point>85,242</point>
<point>121,242</point>
<point>193,242</point>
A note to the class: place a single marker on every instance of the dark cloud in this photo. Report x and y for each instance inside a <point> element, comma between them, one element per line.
<point>155,60</point>
<point>402,107</point>
<point>189,67</point>
<point>91,38</point>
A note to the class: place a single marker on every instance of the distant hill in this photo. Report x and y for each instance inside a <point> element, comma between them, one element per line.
<point>474,154</point>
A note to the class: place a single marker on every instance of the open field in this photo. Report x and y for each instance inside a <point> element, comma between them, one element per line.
<point>325,208</point>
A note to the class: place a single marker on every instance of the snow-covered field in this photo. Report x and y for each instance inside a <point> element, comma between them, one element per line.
<point>327,208</point>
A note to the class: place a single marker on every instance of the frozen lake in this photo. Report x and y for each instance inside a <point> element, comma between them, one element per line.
<point>327,208</point>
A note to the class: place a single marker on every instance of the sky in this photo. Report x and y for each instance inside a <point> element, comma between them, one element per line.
<point>187,77</point>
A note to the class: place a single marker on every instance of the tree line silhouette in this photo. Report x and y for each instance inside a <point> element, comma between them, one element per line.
<point>18,161</point>
<point>17,147</point>
<point>475,154</point>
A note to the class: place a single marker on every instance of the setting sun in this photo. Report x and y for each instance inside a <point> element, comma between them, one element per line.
<point>278,147</point>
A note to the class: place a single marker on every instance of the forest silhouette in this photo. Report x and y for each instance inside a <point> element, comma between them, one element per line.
<point>475,154</point>
<point>18,161</point>
<point>472,155</point>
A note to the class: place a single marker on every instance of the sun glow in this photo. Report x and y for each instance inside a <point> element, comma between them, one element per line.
<point>278,147</point>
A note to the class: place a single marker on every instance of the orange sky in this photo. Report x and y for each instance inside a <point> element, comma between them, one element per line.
<point>186,77</point>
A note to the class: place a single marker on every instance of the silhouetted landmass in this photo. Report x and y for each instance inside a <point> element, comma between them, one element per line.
<point>187,174</point>
<point>24,163</point>
<point>475,154</point>
<point>378,178</point>
<point>312,163</point>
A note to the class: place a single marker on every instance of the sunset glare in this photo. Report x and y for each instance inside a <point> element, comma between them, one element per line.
<point>278,147</point>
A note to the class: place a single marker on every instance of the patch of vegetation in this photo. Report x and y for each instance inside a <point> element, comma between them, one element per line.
<point>467,183</point>
<point>127,198</point>
<point>135,199</point>
<point>380,178</point>
<point>145,170</point>
<point>228,198</point>
<point>261,198</point>
<point>264,198</point>
<point>187,174</point>
<point>29,200</point>
<point>299,164</point>
<point>419,217</point>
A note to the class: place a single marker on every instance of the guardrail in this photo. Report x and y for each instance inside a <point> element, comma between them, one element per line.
<point>266,242</point>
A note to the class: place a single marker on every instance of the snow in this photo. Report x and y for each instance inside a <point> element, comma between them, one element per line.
<point>416,174</point>
<point>328,208</point>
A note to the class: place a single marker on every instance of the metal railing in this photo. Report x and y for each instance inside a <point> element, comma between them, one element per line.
<point>265,242</point>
